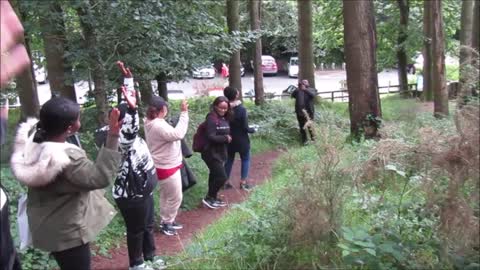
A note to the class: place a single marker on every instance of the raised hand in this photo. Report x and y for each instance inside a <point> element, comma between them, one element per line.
<point>13,55</point>
<point>113,123</point>
<point>184,106</point>
<point>125,71</point>
<point>129,97</point>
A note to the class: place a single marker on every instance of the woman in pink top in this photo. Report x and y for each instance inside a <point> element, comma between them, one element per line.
<point>164,143</point>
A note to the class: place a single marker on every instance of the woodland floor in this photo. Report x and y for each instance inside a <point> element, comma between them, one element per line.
<point>195,220</point>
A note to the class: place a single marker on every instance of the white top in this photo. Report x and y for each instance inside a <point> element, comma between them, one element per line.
<point>163,141</point>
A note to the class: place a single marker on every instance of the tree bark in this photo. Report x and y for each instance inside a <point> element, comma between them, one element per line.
<point>305,42</point>
<point>96,65</point>
<point>476,37</point>
<point>26,84</point>
<point>439,83</point>
<point>234,79</point>
<point>54,38</point>
<point>466,46</point>
<point>145,87</point>
<point>427,51</point>
<point>362,81</point>
<point>255,6</point>
<point>162,85</point>
<point>404,6</point>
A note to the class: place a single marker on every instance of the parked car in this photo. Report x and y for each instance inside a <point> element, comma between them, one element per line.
<point>293,67</point>
<point>40,74</point>
<point>269,65</point>
<point>175,94</point>
<point>207,72</point>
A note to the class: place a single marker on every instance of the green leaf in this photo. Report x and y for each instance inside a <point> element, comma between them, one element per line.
<point>370,251</point>
<point>364,244</point>
<point>345,253</point>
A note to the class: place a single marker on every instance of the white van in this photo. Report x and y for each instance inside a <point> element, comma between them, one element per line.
<point>293,67</point>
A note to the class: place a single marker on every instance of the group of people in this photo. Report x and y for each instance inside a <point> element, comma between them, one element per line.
<point>66,206</point>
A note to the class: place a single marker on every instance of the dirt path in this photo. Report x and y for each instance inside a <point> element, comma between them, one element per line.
<point>195,220</point>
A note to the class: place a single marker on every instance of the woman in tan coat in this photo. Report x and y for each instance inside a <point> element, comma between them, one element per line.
<point>66,208</point>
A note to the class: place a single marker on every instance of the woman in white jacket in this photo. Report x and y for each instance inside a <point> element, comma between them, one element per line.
<point>164,143</point>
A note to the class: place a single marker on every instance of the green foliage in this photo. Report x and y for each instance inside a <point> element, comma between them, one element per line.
<point>452,73</point>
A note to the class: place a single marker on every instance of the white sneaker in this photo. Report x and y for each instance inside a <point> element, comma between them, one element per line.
<point>157,264</point>
<point>142,266</point>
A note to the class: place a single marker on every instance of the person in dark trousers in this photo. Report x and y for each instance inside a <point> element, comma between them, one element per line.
<point>215,152</point>
<point>135,182</point>
<point>8,255</point>
<point>239,131</point>
<point>14,58</point>
<point>304,98</point>
<point>66,204</point>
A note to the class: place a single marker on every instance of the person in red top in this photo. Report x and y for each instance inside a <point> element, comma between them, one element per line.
<point>225,72</point>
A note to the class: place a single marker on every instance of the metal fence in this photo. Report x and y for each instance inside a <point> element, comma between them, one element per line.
<point>342,95</point>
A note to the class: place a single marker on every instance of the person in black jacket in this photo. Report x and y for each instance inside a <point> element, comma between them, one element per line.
<point>215,152</point>
<point>304,97</point>
<point>239,130</point>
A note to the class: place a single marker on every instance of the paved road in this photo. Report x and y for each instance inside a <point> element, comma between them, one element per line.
<point>324,81</point>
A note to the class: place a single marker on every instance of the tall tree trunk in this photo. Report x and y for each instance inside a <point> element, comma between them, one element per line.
<point>362,81</point>
<point>404,6</point>
<point>466,32</point>
<point>235,80</point>
<point>476,27</point>
<point>427,51</point>
<point>26,84</point>
<point>475,44</point>
<point>96,65</point>
<point>305,42</point>
<point>146,91</point>
<point>255,6</point>
<point>162,85</point>
<point>54,38</point>
<point>439,83</point>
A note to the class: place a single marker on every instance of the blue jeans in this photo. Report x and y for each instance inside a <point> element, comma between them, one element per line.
<point>245,157</point>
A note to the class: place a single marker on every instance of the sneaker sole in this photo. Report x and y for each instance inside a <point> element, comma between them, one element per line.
<point>177,227</point>
<point>169,233</point>
<point>208,204</point>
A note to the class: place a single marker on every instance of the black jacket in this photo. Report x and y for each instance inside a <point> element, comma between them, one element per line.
<point>239,129</point>
<point>304,100</point>
<point>217,130</point>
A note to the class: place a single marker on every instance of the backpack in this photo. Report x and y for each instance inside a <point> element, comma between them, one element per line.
<point>200,137</point>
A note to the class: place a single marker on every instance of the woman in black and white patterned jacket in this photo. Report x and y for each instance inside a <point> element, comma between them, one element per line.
<point>136,179</point>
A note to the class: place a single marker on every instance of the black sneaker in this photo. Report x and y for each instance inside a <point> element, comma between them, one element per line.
<point>210,203</point>
<point>220,203</point>
<point>227,186</point>
<point>168,229</point>
<point>177,226</point>
<point>246,187</point>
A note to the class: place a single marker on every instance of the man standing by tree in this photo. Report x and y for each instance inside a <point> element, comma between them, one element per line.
<point>304,109</point>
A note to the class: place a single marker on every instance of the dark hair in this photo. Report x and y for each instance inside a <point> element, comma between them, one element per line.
<point>56,116</point>
<point>230,92</point>
<point>156,105</point>
<point>218,100</point>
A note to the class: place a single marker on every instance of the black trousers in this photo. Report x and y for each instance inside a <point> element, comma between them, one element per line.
<point>8,256</point>
<point>302,120</point>
<point>216,177</point>
<point>77,258</point>
<point>138,215</point>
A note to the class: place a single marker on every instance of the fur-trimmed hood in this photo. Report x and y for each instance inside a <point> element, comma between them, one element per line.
<point>37,164</point>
